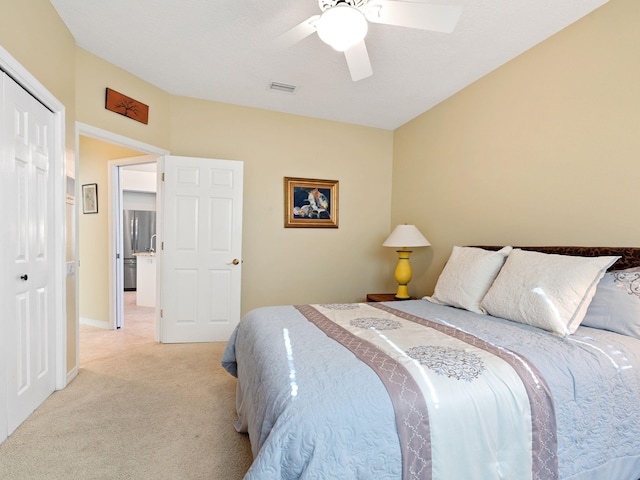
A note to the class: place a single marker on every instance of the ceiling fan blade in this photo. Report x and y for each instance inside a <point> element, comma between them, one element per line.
<point>297,33</point>
<point>358,61</point>
<point>437,18</point>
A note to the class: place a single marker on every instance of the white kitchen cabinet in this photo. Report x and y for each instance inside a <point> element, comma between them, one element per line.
<point>146,279</point>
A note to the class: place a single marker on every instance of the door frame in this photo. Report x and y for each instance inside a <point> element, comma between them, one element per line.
<point>83,129</point>
<point>61,270</point>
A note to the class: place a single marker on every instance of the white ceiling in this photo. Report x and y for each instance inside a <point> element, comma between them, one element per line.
<point>222,50</point>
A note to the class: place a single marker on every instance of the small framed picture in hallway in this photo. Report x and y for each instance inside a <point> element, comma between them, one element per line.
<point>90,198</point>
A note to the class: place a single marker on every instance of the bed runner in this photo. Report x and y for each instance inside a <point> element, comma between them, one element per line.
<point>455,396</point>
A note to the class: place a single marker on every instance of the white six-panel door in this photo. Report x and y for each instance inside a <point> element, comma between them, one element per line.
<point>29,324</point>
<point>201,249</point>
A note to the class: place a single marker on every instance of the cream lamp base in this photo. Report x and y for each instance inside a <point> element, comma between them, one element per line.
<point>403,274</point>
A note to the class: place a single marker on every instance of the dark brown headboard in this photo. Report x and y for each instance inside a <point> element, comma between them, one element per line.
<point>630,256</point>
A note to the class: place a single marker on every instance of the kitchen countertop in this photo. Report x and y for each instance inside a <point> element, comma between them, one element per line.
<point>144,254</point>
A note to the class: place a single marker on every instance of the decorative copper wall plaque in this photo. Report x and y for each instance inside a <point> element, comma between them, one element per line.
<point>119,103</point>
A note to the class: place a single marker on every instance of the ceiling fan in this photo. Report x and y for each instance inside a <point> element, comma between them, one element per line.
<point>343,24</point>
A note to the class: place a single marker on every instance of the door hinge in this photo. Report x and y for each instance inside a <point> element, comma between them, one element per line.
<point>161,245</point>
<point>161,313</point>
<point>163,176</point>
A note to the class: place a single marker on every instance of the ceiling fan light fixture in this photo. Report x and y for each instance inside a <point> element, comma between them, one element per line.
<point>342,27</point>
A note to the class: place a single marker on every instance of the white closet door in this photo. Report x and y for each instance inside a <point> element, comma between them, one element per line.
<point>28,333</point>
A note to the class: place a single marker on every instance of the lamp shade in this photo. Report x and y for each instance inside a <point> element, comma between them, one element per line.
<point>342,26</point>
<point>406,236</point>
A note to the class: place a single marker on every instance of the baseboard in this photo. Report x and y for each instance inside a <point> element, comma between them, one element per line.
<point>71,375</point>
<point>95,323</point>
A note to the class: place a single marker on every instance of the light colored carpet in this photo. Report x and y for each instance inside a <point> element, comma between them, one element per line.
<point>136,410</point>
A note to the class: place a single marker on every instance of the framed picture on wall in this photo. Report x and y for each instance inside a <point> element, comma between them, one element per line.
<point>310,203</point>
<point>90,198</point>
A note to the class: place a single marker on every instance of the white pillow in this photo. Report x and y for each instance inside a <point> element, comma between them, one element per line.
<point>467,276</point>
<point>548,291</point>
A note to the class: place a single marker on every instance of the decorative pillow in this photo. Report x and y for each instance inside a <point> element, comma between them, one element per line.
<point>467,276</point>
<point>616,304</point>
<point>545,290</point>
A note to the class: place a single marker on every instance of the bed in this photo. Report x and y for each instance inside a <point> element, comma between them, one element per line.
<point>482,380</point>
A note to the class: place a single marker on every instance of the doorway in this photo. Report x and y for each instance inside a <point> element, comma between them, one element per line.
<point>100,155</point>
<point>212,318</point>
<point>136,242</point>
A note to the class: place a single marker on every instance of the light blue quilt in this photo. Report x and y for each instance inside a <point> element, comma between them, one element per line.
<point>314,411</point>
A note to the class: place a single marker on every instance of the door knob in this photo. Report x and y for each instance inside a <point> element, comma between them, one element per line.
<point>235,261</point>
<point>24,277</point>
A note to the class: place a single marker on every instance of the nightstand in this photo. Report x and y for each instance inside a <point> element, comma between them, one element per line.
<point>384,297</point>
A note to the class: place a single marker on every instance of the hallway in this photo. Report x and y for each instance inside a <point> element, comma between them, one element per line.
<point>139,329</point>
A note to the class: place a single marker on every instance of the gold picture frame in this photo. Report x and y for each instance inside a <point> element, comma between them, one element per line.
<point>310,203</point>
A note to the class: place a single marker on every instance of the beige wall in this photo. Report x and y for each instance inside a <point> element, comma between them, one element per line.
<point>37,38</point>
<point>94,75</point>
<point>542,151</point>
<point>297,265</point>
<point>93,273</point>
<point>280,265</point>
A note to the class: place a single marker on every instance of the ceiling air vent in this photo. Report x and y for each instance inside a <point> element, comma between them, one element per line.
<point>282,88</point>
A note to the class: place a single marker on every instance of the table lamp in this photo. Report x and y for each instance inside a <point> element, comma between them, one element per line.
<point>404,236</point>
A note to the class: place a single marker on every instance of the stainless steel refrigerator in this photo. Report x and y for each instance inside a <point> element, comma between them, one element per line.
<point>138,228</point>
